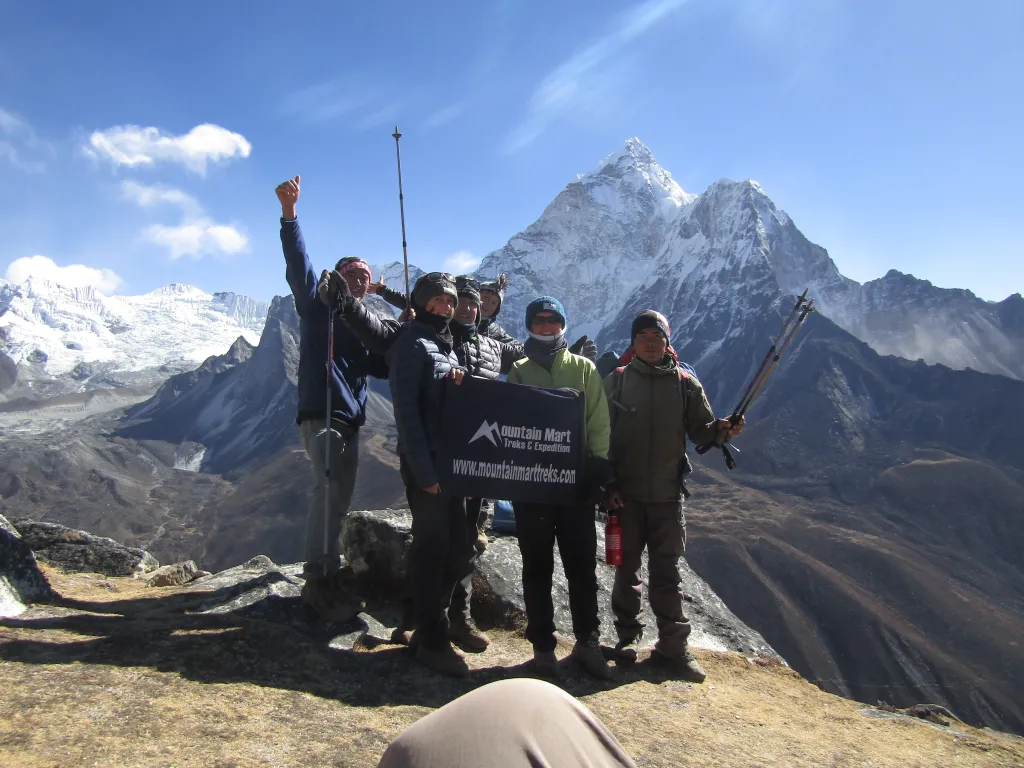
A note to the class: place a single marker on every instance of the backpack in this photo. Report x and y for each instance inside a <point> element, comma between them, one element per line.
<point>686,372</point>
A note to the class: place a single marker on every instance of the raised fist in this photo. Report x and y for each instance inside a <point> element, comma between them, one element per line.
<point>288,195</point>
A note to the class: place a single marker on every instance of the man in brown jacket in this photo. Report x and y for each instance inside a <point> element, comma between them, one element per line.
<point>654,406</point>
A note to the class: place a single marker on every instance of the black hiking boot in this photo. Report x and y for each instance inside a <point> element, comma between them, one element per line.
<point>467,637</point>
<point>448,660</point>
<point>545,664</point>
<point>683,667</point>
<point>588,653</point>
<point>328,597</point>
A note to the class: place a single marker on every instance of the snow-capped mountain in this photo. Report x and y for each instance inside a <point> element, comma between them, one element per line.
<point>626,237</point>
<point>594,244</point>
<point>51,330</point>
<point>237,410</point>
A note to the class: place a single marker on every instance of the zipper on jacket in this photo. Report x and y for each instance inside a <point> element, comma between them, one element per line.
<point>650,445</point>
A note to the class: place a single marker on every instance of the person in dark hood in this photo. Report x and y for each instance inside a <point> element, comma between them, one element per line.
<point>325,591</point>
<point>419,359</point>
<point>481,356</point>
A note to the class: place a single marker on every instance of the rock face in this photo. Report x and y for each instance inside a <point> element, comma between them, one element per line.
<point>375,542</point>
<point>21,581</point>
<point>173,575</point>
<point>78,551</point>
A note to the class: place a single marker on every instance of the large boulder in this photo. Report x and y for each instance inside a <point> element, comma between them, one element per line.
<point>21,581</point>
<point>80,552</point>
<point>375,543</point>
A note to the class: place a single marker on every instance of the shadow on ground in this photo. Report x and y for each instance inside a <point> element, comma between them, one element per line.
<point>257,631</point>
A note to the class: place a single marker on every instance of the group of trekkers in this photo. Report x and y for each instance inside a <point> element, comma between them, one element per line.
<point>637,421</point>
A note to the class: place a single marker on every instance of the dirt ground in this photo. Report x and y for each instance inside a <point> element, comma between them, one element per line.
<point>123,676</point>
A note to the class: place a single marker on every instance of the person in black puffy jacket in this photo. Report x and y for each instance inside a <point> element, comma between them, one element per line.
<point>419,359</point>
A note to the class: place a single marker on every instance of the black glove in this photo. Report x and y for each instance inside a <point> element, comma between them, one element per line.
<point>585,347</point>
<point>333,290</point>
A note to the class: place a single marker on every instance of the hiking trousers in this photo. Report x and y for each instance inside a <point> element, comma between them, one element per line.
<point>440,556</point>
<point>462,595</point>
<point>344,460</point>
<point>538,527</point>
<point>661,528</point>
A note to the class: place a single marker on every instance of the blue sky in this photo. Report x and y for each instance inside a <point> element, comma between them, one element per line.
<point>890,132</point>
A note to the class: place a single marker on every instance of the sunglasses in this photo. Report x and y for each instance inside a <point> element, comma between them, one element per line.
<point>438,277</point>
<point>546,319</point>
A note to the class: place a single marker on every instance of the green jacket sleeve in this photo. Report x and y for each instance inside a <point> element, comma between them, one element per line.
<point>699,419</point>
<point>513,375</point>
<point>598,423</point>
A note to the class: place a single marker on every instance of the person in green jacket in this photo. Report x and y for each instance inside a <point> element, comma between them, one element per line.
<point>655,405</point>
<point>549,363</point>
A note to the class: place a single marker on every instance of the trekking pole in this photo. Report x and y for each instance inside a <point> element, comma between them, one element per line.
<point>799,301</point>
<point>756,384</point>
<point>401,207</point>
<point>803,316</point>
<point>327,438</point>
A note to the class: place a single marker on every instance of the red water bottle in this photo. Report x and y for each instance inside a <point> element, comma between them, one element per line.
<point>613,541</point>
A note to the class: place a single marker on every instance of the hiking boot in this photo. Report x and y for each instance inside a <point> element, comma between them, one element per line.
<point>448,660</point>
<point>684,667</point>
<point>628,650</point>
<point>467,637</point>
<point>588,653</point>
<point>330,600</point>
<point>546,664</point>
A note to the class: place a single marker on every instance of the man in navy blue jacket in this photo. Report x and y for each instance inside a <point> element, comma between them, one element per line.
<point>324,591</point>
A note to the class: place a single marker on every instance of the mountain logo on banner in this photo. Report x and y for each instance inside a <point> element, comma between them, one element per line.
<point>523,438</point>
<point>490,431</point>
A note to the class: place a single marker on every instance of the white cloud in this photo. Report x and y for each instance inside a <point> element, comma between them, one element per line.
<point>576,78</point>
<point>197,235</point>
<point>133,146</point>
<point>147,196</point>
<point>197,238</point>
<point>445,116</point>
<point>20,146</point>
<point>71,276</point>
<point>326,101</point>
<point>460,263</point>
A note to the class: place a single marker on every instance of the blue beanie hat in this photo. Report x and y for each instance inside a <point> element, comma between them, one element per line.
<point>545,304</point>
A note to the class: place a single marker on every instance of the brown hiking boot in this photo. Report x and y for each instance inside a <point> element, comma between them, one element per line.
<point>330,600</point>
<point>404,636</point>
<point>684,667</point>
<point>467,637</point>
<point>588,654</point>
<point>546,663</point>
<point>448,660</point>
<point>628,650</point>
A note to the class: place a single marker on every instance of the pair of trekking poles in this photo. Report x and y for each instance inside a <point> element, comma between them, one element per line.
<point>330,361</point>
<point>803,308</point>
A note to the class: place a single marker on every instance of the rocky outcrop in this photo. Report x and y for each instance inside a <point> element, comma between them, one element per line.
<point>21,581</point>
<point>175,575</point>
<point>375,543</point>
<point>81,552</point>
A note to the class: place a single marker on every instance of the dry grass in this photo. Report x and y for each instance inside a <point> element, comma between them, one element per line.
<point>294,704</point>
